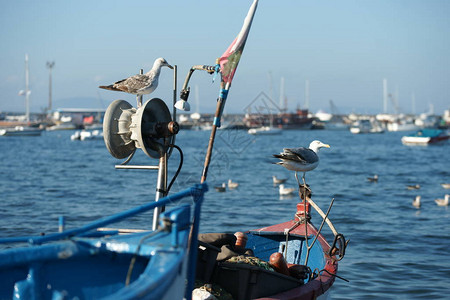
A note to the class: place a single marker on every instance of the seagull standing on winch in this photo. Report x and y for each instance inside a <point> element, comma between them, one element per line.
<point>140,84</point>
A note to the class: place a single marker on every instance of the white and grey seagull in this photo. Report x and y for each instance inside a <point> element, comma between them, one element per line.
<point>301,159</point>
<point>416,201</point>
<point>140,84</point>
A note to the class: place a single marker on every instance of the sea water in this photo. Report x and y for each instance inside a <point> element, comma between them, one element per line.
<point>395,252</point>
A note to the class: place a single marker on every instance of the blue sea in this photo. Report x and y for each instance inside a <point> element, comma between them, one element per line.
<point>395,252</point>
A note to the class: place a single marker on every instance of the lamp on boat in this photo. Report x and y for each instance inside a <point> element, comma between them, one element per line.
<point>182,104</point>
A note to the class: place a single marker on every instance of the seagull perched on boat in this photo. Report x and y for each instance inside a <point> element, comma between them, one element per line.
<point>443,202</point>
<point>373,179</point>
<point>285,191</point>
<point>232,185</point>
<point>278,180</point>
<point>301,159</point>
<point>416,201</point>
<point>140,84</point>
<point>413,187</point>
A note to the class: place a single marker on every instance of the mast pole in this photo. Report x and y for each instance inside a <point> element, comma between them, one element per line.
<point>27,90</point>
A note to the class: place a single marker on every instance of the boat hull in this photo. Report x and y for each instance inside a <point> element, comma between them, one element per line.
<point>425,137</point>
<point>82,263</point>
<point>95,269</point>
<point>265,130</point>
<point>21,131</point>
<point>249,281</point>
<point>295,254</point>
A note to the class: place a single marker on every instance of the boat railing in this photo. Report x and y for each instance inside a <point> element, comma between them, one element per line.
<point>339,244</point>
<point>196,192</point>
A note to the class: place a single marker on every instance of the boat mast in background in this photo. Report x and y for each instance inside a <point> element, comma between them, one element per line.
<point>27,90</point>
<point>307,94</point>
<point>50,66</point>
<point>385,95</point>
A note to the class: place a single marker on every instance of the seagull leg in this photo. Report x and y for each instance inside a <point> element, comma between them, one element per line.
<point>296,177</point>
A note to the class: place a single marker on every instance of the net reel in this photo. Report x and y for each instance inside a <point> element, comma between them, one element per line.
<point>149,127</point>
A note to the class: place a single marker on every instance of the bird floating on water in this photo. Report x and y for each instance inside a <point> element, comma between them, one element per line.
<point>373,179</point>
<point>301,159</point>
<point>445,185</point>
<point>232,185</point>
<point>416,201</point>
<point>278,180</point>
<point>221,188</point>
<point>140,84</point>
<point>413,187</point>
<point>443,202</point>
<point>285,191</point>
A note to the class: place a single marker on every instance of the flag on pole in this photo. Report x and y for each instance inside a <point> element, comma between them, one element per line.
<point>230,59</point>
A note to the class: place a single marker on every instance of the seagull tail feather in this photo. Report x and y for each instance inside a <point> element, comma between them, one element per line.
<point>110,87</point>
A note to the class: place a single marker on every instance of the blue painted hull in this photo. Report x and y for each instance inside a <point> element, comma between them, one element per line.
<point>144,265</point>
<point>93,269</point>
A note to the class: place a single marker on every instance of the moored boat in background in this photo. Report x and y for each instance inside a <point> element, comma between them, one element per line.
<point>425,137</point>
<point>21,131</point>
<point>265,130</point>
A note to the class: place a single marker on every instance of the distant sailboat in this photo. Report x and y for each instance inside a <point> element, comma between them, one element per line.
<point>23,130</point>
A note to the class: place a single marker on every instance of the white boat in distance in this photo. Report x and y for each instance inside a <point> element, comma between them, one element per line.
<point>265,130</point>
<point>366,126</point>
<point>21,131</point>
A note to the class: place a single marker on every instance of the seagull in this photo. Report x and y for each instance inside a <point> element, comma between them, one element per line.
<point>373,179</point>
<point>301,159</point>
<point>140,84</point>
<point>285,191</point>
<point>413,187</point>
<point>416,202</point>
<point>221,188</point>
<point>232,185</point>
<point>445,185</point>
<point>443,202</point>
<point>278,180</point>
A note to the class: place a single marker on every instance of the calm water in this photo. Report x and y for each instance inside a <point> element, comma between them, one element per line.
<point>395,252</point>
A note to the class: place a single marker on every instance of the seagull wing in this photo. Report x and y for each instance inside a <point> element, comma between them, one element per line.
<point>301,154</point>
<point>132,84</point>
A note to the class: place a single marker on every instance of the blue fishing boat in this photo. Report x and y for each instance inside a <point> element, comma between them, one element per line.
<point>85,263</point>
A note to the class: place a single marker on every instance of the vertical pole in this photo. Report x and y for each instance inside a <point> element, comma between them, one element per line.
<point>27,91</point>
<point>62,224</point>
<point>139,97</point>
<point>174,113</point>
<point>161,187</point>
<point>216,123</point>
<point>50,66</point>
<point>385,96</point>
<point>307,94</point>
<point>282,107</point>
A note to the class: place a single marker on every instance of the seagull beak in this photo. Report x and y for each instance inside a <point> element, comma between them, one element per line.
<point>169,66</point>
<point>326,145</point>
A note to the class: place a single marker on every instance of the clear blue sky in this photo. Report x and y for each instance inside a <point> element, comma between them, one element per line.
<point>344,48</point>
